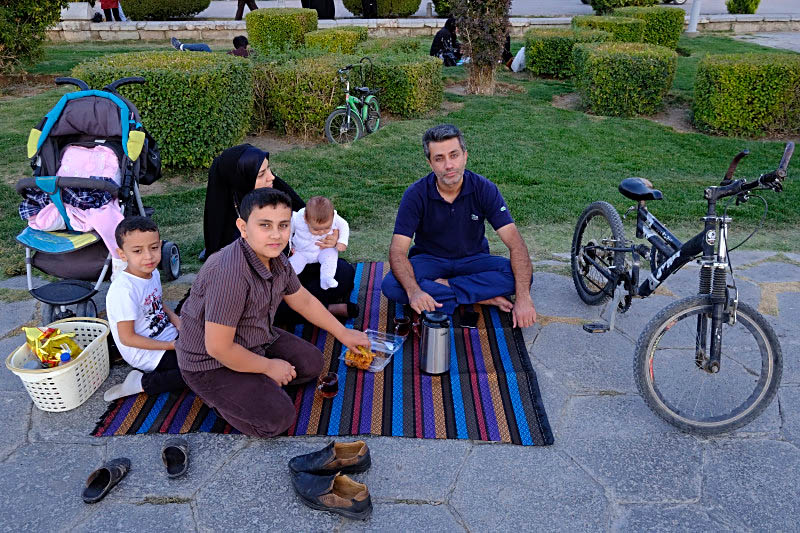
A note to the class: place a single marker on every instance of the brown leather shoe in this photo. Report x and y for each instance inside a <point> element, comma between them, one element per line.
<point>337,494</point>
<point>344,457</point>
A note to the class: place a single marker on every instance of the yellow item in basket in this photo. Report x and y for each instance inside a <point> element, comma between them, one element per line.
<point>361,359</point>
<point>49,343</point>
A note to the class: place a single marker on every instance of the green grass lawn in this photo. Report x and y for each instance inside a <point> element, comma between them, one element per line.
<point>549,163</point>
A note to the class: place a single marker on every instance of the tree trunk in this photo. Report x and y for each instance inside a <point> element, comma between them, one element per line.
<point>481,79</point>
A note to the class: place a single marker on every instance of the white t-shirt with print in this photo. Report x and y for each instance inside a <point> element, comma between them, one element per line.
<point>133,298</point>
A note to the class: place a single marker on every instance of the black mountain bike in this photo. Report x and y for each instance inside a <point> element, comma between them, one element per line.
<point>679,366</point>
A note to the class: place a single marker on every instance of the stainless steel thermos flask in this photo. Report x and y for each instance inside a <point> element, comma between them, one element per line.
<point>435,346</point>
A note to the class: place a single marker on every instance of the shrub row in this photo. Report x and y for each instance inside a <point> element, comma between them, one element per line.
<point>748,94</point>
<point>549,51</point>
<point>662,25</point>
<point>624,29</point>
<point>389,45</point>
<point>386,8</point>
<point>162,10</point>
<point>194,105</point>
<point>623,79</point>
<point>275,30</point>
<point>742,7</point>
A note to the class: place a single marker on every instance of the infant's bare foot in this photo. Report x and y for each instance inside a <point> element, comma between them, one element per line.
<point>442,281</point>
<point>500,301</point>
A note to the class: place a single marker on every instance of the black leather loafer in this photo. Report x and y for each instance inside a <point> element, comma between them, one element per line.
<point>337,494</point>
<point>344,457</point>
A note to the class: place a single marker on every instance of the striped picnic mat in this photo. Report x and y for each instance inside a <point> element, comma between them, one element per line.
<point>490,393</point>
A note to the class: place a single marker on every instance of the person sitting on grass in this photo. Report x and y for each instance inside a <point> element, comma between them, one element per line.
<point>142,326</point>
<point>229,352</point>
<point>240,43</point>
<point>450,262</point>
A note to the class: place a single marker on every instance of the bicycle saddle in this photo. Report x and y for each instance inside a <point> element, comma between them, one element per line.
<point>639,189</point>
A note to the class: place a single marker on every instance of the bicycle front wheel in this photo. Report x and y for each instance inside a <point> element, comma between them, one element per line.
<point>343,127</point>
<point>599,226</point>
<point>670,361</point>
<point>373,115</point>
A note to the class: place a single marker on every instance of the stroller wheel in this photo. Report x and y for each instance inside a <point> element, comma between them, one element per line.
<point>86,308</point>
<point>170,260</point>
<point>51,313</point>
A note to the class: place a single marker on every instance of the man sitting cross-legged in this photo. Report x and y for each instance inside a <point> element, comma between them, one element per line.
<point>450,262</point>
<point>228,352</point>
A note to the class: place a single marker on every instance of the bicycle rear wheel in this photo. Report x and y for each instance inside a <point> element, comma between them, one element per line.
<point>340,130</point>
<point>373,115</point>
<point>669,373</point>
<point>599,225</point>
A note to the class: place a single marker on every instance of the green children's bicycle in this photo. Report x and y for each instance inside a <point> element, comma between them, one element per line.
<point>360,115</point>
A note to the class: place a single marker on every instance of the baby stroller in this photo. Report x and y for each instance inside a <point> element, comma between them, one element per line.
<point>86,119</point>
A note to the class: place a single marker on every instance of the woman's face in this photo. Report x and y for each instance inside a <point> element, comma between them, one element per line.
<point>265,176</point>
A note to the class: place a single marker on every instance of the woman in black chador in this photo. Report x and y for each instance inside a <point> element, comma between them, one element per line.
<point>445,44</point>
<point>234,173</point>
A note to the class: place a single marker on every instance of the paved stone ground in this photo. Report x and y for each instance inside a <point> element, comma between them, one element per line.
<point>614,465</point>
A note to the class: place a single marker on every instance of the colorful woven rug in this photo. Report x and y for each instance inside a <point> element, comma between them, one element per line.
<point>490,393</point>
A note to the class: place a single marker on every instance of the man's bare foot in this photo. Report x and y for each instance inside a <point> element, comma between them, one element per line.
<point>500,301</point>
<point>442,281</point>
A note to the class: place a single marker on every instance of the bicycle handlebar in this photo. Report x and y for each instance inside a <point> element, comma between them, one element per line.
<point>770,180</point>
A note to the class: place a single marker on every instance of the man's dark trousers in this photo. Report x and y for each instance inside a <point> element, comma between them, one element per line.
<point>369,9</point>
<point>472,279</point>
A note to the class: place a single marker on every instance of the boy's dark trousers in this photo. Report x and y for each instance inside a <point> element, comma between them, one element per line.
<point>370,8</point>
<point>166,377</point>
<point>113,11</point>
<point>254,403</point>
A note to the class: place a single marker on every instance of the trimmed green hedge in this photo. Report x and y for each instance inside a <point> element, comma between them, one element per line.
<point>386,8</point>
<point>362,31</point>
<point>389,45</point>
<point>411,85</point>
<point>742,7</point>
<point>163,9</point>
<point>296,94</point>
<point>194,105</point>
<point>277,29</point>
<point>549,51</point>
<point>604,7</point>
<point>623,79</point>
<point>748,94</point>
<point>662,25</point>
<point>333,40</point>
<point>624,29</point>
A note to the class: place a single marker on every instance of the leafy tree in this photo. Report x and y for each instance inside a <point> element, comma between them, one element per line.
<point>23,24</point>
<point>482,29</point>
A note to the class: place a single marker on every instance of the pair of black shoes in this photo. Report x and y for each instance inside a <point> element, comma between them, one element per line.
<point>319,479</point>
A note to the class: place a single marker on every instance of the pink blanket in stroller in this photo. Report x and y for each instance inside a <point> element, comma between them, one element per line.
<point>82,162</point>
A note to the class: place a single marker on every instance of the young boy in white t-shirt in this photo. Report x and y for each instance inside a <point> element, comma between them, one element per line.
<point>143,327</point>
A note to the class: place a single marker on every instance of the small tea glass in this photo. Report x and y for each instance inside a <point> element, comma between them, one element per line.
<point>328,385</point>
<point>402,326</point>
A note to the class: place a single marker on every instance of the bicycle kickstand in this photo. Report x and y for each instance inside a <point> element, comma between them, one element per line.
<point>602,327</point>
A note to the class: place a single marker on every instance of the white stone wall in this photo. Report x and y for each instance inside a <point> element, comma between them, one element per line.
<point>225,30</point>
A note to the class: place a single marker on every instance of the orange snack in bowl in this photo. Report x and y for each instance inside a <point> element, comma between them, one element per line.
<point>361,359</point>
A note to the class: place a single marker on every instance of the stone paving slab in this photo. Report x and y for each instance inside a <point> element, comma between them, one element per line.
<point>412,516</point>
<point>755,482</point>
<point>509,488</point>
<point>15,412</point>
<point>41,486</point>
<point>672,519</point>
<point>140,517</point>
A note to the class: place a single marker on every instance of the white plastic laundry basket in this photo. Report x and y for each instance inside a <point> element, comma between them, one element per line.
<point>66,387</point>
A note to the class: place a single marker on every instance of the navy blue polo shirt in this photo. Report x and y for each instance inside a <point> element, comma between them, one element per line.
<point>451,230</point>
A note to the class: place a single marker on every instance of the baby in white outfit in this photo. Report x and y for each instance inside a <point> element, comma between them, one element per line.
<point>310,226</point>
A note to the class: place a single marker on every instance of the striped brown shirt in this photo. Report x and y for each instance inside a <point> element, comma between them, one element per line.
<point>234,289</point>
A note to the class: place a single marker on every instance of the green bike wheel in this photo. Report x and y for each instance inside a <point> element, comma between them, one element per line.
<point>373,115</point>
<point>343,127</point>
